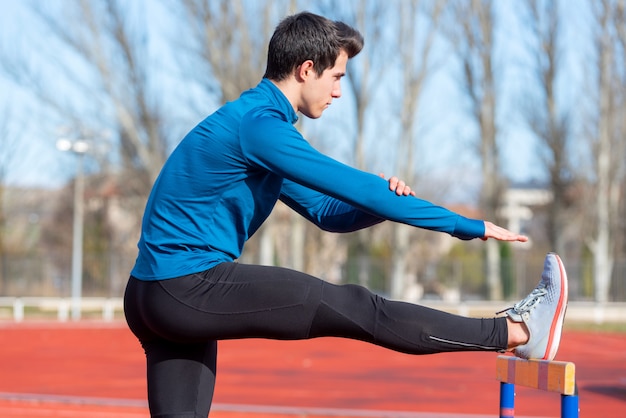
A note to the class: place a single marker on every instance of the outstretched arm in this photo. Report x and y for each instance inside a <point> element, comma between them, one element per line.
<point>272,144</point>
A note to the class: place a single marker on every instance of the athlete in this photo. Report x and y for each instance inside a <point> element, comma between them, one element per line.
<point>187,291</point>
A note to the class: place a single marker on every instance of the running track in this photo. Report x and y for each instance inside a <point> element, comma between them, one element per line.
<point>92,369</point>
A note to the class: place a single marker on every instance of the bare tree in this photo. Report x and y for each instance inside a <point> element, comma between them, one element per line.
<point>471,33</point>
<point>103,63</point>
<point>416,43</point>
<point>370,17</point>
<point>227,49</point>
<point>546,116</point>
<point>619,17</point>
<point>96,75</point>
<point>8,147</point>
<point>364,73</point>
<point>607,148</point>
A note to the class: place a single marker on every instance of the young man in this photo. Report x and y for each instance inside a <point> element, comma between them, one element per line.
<point>187,291</point>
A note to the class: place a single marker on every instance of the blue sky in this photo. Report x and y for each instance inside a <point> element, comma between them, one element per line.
<point>38,163</point>
<point>34,160</point>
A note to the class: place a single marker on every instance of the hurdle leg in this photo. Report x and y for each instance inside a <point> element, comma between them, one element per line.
<point>507,400</point>
<point>569,406</point>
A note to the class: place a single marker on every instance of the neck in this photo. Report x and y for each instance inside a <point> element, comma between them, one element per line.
<point>291,89</point>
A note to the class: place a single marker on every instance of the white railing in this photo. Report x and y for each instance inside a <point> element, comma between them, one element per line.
<point>107,309</point>
<point>16,307</point>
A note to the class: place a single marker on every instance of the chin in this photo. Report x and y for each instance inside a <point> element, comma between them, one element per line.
<point>312,115</point>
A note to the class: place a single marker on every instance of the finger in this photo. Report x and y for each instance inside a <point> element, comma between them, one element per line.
<point>393,184</point>
<point>400,188</point>
<point>502,234</point>
<point>507,237</point>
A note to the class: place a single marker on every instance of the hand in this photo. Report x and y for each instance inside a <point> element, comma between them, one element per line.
<point>398,186</point>
<point>501,234</point>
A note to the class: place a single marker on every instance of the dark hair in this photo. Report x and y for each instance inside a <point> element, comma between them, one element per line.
<point>306,36</point>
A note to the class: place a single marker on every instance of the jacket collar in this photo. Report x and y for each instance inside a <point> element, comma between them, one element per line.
<point>279,99</point>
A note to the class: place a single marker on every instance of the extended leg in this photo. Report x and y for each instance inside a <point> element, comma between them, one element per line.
<point>243,301</point>
<point>355,312</point>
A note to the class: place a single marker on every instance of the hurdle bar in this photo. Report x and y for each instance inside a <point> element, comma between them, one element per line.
<point>552,376</point>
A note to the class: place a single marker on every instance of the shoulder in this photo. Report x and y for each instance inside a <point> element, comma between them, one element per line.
<point>266,113</point>
<point>266,121</point>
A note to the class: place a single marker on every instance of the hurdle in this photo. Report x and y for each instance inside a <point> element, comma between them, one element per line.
<point>552,376</point>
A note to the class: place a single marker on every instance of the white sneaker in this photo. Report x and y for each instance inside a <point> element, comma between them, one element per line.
<point>543,311</point>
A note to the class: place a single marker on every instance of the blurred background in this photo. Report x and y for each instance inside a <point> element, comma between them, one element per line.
<point>512,111</point>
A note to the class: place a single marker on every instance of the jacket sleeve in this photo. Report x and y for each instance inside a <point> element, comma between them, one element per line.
<point>326,212</point>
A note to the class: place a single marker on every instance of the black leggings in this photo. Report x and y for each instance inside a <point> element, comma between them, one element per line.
<point>179,321</point>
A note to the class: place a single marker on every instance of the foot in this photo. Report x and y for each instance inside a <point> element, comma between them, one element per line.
<point>543,311</point>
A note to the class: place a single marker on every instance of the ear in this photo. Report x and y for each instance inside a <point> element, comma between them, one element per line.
<point>305,70</point>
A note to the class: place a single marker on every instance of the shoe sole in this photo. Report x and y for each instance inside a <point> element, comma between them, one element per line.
<point>557,321</point>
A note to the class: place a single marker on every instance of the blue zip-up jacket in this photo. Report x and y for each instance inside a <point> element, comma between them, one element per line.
<point>223,179</point>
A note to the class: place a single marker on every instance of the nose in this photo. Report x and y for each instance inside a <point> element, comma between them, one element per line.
<point>336,93</point>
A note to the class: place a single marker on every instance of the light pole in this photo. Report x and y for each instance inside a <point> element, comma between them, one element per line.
<point>78,147</point>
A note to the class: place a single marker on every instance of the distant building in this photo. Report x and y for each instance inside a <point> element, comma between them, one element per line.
<point>518,204</point>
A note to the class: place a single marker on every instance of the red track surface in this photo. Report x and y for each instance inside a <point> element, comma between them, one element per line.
<point>97,370</point>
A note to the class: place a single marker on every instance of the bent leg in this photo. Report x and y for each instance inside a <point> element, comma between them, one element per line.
<point>180,375</point>
<point>181,378</point>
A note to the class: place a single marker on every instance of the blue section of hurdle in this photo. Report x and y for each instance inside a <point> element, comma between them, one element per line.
<point>569,403</point>
<point>507,400</point>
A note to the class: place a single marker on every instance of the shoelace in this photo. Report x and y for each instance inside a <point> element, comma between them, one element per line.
<point>529,301</point>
